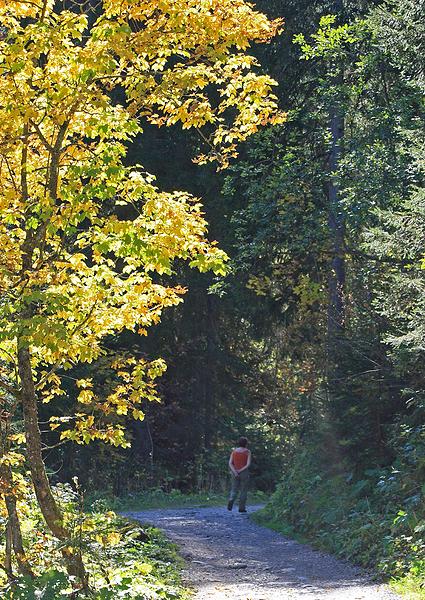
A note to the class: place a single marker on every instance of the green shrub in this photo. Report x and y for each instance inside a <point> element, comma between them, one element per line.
<point>376,519</point>
<point>123,559</point>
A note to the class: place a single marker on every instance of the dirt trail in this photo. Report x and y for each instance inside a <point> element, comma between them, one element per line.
<point>231,558</point>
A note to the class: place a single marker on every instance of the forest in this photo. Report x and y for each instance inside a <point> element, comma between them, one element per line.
<point>212,224</point>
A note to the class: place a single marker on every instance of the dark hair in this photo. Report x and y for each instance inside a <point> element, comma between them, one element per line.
<point>243,442</point>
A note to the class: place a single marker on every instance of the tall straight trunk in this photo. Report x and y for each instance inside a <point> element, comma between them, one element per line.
<point>336,227</point>
<point>336,220</point>
<point>208,383</point>
<point>336,223</point>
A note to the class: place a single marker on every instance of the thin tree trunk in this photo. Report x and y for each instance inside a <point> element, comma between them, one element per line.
<point>336,226</point>
<point>209,399</point>
<point>336,222</point>
<point>13,527</point>
<point>49,508</point>
<point>14,534</point>
<point>8,553</point>
<point>151,450</point>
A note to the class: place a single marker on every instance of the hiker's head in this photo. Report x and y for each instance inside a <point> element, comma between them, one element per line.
<point>242,442</point>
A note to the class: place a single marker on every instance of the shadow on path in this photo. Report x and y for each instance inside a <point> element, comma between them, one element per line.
<point>230,557</point>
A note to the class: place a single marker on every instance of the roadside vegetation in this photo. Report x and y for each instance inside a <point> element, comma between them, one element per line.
<point>157,498</point>
<point>375,520</point>
<point>123,558</point>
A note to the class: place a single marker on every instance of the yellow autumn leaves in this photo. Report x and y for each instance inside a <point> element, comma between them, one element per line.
<point>71,271</point>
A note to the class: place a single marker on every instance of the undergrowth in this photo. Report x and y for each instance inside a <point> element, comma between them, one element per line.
<point>123,559</point>
<point>375,519</point>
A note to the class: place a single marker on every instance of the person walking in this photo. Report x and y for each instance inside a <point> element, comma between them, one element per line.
<point>239,463</point>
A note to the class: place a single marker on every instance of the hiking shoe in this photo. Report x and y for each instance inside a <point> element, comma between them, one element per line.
<point>243,510</point>
<point>230,505</point>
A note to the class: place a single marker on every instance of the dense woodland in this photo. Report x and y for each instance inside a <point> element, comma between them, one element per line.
<point>308,337</point>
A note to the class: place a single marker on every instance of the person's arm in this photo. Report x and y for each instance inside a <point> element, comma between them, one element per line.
<point>232,468</point>
<point>248,462</point>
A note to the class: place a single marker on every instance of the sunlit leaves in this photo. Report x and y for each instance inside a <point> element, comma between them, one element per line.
<point>329,38</point>
<point>87,240</point>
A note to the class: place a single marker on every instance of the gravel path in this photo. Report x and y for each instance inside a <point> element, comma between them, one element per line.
<point>228,557</point>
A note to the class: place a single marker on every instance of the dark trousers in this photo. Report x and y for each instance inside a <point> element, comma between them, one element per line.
<point>240,486</point>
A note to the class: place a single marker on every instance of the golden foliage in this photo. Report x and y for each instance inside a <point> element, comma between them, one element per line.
<point>71,271</point>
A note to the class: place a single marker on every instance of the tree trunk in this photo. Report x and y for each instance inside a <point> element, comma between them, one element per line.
<point>208,383</point>
<point>8,552</point>
<point>49,508</point>
<point>14,535</point>
<point>336,225</point>
<point>336,222</point>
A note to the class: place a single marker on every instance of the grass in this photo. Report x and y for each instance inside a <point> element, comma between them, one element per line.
<point>261,517</point>
<point>411,587</point>
<point>159,499</point>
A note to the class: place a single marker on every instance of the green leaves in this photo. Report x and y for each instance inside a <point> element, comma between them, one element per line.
<point>330,39</point>
<point>52,585</point>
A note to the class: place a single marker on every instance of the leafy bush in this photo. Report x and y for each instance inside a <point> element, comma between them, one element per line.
<point>375,519</point>
<point>122,558</point>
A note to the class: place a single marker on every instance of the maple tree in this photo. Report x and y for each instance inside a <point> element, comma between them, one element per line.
<point>71,270</point>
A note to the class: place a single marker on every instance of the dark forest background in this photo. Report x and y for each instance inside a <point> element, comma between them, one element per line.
<point>313,345</point>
